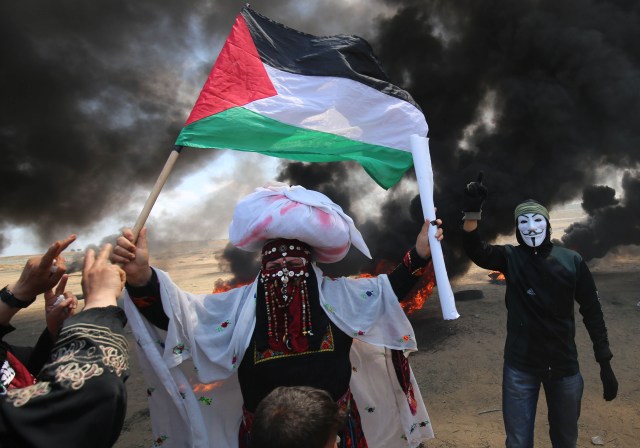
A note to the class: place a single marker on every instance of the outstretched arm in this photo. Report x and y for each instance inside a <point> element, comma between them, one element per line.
<point>416,261</point>
<point>80,397</point>
<point>147,299</point>
<point>133,256</point>
<point>59,306</point>
<point>480,252</point>
<point>142,281</point>
<point>39,275</point>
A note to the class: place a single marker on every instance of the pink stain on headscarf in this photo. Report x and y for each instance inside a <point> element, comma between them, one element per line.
<point>273,198</point>
<point>330,254</point>
<point>335,250</point>
<point>284,210</point>
<point>256,233</point>
<point>323,217</point>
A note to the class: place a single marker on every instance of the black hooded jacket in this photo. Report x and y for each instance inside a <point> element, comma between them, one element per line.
<point>542,284</point>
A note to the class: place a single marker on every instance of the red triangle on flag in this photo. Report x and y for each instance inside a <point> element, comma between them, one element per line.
<point>238,77</point>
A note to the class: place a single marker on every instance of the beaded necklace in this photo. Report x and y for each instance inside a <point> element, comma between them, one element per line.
<point>286,293</point>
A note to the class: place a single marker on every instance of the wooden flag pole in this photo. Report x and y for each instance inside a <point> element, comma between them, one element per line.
<point>424,176</point>
<point>155,192</point>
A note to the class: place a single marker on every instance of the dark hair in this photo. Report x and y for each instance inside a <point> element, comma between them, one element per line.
<point>294,417</point>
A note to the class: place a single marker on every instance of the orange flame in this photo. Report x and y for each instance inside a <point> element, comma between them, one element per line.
<point>203,388</point>
<point>421,292</point>
<point>497,277</point>
<point>226,285</point>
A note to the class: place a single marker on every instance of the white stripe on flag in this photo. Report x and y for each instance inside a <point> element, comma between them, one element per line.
<point>343,107</point>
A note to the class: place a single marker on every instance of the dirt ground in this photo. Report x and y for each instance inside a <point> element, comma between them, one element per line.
<point>459,362</point>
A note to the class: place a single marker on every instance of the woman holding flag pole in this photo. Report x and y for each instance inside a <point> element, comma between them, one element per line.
<point>222,353</point>
<point>288,94</point>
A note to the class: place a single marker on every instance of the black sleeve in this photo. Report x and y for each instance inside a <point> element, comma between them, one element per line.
<point>22,353</point>
<point>483,254</point>
<point>40,353</point>
<point>33,358</point>
<point>80,396</point>
<point>147,299</point>
<point>591,311</point>
<point>407,274</point>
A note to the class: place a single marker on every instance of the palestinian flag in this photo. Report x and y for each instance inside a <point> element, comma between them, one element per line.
<point>284,93</point>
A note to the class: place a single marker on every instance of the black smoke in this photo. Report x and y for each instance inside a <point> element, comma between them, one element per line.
<point>540,95</point>
<point>561,80</point>
<point>94,95</point>
<point>598,197</point>
<point>611,223</point>
<point>90,109</point>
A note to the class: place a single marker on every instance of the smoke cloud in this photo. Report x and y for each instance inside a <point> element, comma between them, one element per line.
<point>611,223</point>
<point>540,95</point>
<point>94,95</point>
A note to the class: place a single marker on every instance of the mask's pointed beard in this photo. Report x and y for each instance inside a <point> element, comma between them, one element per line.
<point>288,310</point>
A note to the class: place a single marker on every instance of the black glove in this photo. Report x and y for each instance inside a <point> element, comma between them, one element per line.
<point>609,381</point>
<point>474,195</point>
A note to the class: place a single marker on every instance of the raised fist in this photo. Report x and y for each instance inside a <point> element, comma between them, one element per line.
<point>474,195</point>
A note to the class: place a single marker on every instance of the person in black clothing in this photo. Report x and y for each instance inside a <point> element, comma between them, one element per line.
<point>20,365</point>
<point>69,390</point>
<point>543,281</point>
<point>305,323</point>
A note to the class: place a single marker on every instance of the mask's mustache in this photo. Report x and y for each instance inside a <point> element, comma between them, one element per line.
<point>532,232</point>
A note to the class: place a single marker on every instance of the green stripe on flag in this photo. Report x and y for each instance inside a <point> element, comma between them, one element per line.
<point>244,130</point>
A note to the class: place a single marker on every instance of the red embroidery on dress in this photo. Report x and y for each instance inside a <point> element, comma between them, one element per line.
<point>326,345</point>
<point>144,302</point>
<point>403,373</point>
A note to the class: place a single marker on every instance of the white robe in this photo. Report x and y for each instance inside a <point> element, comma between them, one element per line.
<point>191,369</point>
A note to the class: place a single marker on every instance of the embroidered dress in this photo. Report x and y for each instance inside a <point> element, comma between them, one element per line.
<point>191,369</point>
<point>79,398</point>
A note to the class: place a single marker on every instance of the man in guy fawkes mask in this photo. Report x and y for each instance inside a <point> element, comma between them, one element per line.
<point>532,220</point>
<point>542,282</point>
<point>291,327</point>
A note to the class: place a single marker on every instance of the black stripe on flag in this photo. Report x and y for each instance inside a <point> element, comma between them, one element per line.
<point>342,56</point>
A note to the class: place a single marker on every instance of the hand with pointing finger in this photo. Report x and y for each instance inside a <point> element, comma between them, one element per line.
<point>102,282</point>
<point>41,274</point>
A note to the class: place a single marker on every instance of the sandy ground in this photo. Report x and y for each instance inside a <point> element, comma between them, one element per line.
<point>459,363</point>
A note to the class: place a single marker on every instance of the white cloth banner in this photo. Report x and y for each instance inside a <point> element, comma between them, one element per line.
<point>424,175</point>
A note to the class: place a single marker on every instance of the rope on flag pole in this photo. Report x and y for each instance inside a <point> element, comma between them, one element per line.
<point>155,192</point>
<point>424,176</point>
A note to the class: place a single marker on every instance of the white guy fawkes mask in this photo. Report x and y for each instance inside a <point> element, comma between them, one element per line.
<point>532,228</point>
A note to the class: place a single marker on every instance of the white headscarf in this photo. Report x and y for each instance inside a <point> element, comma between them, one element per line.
<point>293,212</point>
